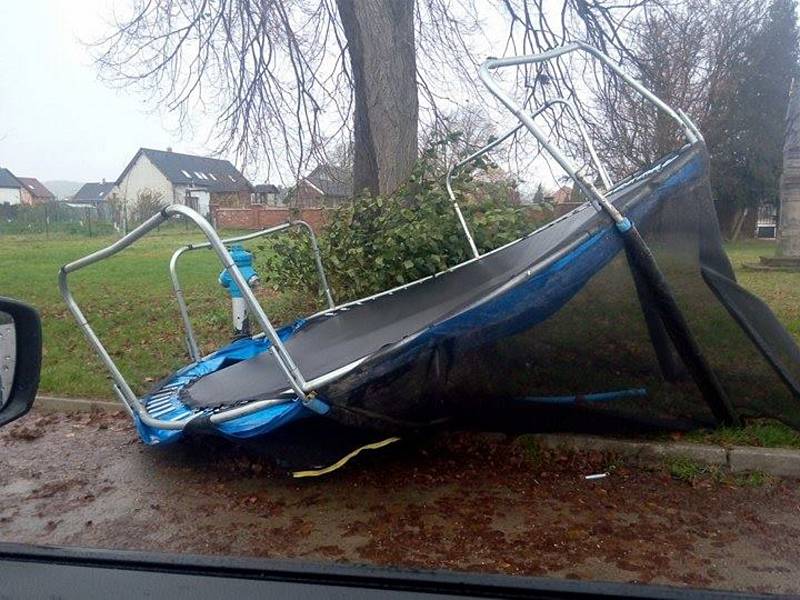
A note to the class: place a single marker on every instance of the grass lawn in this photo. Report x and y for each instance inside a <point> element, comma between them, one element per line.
<point>129,301</point>
<point>780,290</point>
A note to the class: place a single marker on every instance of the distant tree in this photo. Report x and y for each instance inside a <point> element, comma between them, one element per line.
<point>671,57</point>
<point>728,64</point>
<point>747,145</point>
<point>686,55</point>
<point>538,195</point>
<point>454,135</point>
<point>148,202</point>
<point>116,210</point>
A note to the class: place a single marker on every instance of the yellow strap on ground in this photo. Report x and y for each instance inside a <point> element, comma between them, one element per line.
<point>343,461</point>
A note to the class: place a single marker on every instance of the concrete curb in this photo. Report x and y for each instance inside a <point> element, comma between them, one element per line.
<point>57,404</point>
<point>778,462</point>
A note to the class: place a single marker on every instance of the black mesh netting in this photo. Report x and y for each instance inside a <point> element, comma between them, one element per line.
<point>560,312</point>
<point>607,337</point>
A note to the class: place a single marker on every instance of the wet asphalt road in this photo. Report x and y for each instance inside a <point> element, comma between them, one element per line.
<point>457,501</point>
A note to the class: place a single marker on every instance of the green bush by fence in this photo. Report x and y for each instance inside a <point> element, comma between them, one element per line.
<point>372,244</point>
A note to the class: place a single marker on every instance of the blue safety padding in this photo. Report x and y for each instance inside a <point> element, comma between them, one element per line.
<point>257,423</point>
<point>264,421</point>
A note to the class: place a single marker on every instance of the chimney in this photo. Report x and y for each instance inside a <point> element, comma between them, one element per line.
<point>104,179</point>
<point>169,148</point>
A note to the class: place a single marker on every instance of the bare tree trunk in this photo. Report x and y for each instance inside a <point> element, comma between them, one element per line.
<point>380,37</point>
<point>741,218</point>
<point>789,220</point>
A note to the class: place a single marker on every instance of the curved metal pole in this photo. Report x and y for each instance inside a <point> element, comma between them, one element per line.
<point>569,105</point>
<point>191,340</point>
<point>326,289</point>
<point>456,167</point>
<point>296,381</point>
<point>584,185</point>
<point>496,63</point>
<point>494,143</point>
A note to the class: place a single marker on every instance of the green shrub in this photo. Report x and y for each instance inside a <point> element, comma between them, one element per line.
<point>371,244</point>
<point>685,469</point>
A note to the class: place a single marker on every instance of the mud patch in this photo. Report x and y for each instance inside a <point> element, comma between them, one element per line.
<point>458,501</point>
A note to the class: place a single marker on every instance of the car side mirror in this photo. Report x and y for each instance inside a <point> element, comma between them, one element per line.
<point>20,358</point>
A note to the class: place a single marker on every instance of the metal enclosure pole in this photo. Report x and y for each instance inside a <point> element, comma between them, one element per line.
<point>326,289</point>
<point>456,167</point>
<point>494,143</point>
<point>570,106</point>
<point>296,381</point>
<point>191,340</point>
<point>585,186</point>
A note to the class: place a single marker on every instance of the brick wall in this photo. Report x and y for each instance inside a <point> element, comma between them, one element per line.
<point>231,199</point>
<point>262,217</point>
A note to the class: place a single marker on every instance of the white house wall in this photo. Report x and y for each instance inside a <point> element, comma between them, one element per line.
<point>144,175</point>
<point>9,196</point>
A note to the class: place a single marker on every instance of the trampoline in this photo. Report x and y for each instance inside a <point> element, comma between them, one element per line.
<point>424,352</point>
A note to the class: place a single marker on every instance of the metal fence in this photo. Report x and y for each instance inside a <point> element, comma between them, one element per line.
<point>55,217</point>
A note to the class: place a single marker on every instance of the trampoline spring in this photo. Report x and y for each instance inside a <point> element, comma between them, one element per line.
<point>161,397</point>
<point>180,415</point>
<point>163,411</point>
<point>157,399</point>
<point>159,405</point>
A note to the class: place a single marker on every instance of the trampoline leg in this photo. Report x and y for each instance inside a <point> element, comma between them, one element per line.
<point>663,301</point>
<point>670,367</point>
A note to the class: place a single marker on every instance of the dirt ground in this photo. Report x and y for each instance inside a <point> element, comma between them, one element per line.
<point>459,501</point>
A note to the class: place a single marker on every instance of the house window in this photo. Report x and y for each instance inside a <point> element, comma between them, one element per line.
<point>200,175</point>
<point>186,174</point>
<point>212,176</point>
<point>232,178</point>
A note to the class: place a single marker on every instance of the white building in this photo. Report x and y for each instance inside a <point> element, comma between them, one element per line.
<point>10,188</point>
<point>173,177</point>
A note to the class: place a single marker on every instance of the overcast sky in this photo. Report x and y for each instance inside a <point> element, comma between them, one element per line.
<point>57,120</point>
